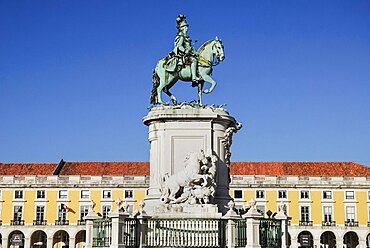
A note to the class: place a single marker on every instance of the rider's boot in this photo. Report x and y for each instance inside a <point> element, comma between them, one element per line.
<point>194,71</point>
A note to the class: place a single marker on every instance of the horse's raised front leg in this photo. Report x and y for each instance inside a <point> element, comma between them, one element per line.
<point>208,79</point>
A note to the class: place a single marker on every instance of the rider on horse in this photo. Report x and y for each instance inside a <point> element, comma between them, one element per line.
<point>182,64</point>
<point>184,50</point>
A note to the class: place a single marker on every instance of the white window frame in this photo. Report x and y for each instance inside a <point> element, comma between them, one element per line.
<point>60,207</point>
<point>239,198</point>
<point>22,213</point>
<point>41,199</point>
<point>282,198</point>
<point>80,217</point>
<point>332,212</point>
<point>85,191</point>
<point>354,213</point>
<point>304,198</point>
<point>348,191</point>
<point>263,194</point>
<point>102,209</point>
<point>106,198</point>
<point>40,205</point>
<point>15,193</point>
<point>325,192</point>
<point>128,190</point>
<point>63,198</point>
<point>309,213</point>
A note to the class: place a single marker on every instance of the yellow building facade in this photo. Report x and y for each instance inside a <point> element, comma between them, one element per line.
<point>322,214</point>
<point>48,210</point>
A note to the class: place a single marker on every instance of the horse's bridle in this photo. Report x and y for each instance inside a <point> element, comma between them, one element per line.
<point>208,63</point>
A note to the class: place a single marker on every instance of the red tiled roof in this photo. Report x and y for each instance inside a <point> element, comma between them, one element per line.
<point>236,168</point>
<point>299,168</point>
<point>105,168</point>
<point>9,169</point>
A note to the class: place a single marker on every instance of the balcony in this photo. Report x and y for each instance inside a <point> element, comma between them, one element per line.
<point>17,222</point>
<point>61,222</point>
<point>351,223</point>
<point>328,223</point>
<point>39,222</point>
<point>305,222</point>
<point>81,222</point>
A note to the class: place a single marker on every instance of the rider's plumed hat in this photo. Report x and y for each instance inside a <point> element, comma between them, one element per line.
<point>181,21</point>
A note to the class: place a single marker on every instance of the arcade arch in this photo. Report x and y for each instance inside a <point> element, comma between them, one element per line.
<point>328,240</point>
<point>16,239</point>
<point>61,239</point>
<point>305,239</point>
<point>38,239</point>
<point>80,239</point>
<point>350,239</point>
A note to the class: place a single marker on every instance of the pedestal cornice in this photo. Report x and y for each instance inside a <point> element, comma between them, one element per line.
<point>186,113</point>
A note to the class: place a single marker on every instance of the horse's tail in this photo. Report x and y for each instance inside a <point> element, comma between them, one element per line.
<point>154,95</point>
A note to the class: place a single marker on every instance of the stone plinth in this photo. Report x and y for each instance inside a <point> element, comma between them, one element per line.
<point>175,131</point>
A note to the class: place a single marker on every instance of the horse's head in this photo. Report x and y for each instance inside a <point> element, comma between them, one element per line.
<point>193,159</point>
<point>218,49</point>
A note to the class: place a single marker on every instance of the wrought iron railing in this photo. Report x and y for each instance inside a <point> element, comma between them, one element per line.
<point>61,222</point>
<point>102,242</point>
<point>39,222</point>
<point>241,233</point>
<point>131,233</point>
<point>186,233</point>
<point>305,222</point>
<point>102,232</point>
<point>270,233</point>
<point>351,223</point>
<point>17,222</point>
<point>328,223</point>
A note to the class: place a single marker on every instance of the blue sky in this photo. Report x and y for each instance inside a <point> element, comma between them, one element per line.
<point>75,76</point>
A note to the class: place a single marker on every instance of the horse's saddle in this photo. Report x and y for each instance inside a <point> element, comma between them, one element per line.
<point>171,64</point>
<point>174,62</point>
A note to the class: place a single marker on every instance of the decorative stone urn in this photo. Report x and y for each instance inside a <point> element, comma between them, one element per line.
<point>176,133</point>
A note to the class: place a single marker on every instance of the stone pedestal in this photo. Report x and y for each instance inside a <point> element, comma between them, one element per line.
<point>175,131</point>
<point>253,224</point>
<point>284,226</point>
<point>118,217</point>
<point>89,218</point>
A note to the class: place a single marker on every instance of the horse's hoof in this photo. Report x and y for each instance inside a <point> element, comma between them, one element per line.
<point>206,91</point>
